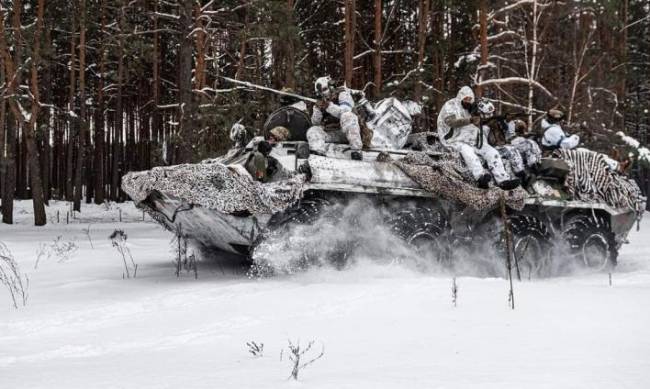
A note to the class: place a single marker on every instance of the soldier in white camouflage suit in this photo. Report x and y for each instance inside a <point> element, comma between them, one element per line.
<point>528,148</point>
<point>508,136</point>
<point>333,119</point>
<point>458,129</point>
<point>554,136</point>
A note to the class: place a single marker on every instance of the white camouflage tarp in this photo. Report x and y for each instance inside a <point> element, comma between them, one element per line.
<point>228,189</point>
<point>591,179</point>
<point>444,178</point>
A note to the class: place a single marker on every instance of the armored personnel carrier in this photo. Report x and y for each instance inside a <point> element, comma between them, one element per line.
<point>574,205</point>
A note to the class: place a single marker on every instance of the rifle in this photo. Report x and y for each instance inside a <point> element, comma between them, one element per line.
<point>265,88</point>
<point>355,92</point>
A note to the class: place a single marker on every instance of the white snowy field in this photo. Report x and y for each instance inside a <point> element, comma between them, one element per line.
<point>381,326</point>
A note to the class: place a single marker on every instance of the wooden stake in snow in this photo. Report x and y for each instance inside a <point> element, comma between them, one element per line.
<point>454,292</point>
<point>179,237</point>
<point>508,239</point>
<point>610,278</point>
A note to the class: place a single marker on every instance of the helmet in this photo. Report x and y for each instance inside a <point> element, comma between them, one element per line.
<point>280,133</point>
<point>324,86</point>
<point>554,116</point>
<point>238,133</point>
<point>485,108</point>
<point>520,126</point>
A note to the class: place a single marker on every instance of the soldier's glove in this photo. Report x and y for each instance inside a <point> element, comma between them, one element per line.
<point>322,104</point>
<point>476,120</point>
<point>272,167</point>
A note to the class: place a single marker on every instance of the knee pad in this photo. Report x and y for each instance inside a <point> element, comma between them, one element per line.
<point>570,142</point>
<point>349,122</point>
<point>313,131</point>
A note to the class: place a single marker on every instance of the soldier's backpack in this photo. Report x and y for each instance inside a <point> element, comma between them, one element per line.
<point>553,168</point>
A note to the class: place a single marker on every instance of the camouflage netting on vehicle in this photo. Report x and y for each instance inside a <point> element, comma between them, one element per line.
<point>591,179</point>
<point>228,189</point>
<point>445,177</point>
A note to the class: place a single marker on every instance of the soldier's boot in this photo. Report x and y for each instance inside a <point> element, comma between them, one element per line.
<point>484,181</point>
<point>523,178</point>
<point>509,184</point>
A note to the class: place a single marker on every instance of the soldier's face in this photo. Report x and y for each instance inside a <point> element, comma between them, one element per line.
<point>326,93</point>
<point>467,103</point>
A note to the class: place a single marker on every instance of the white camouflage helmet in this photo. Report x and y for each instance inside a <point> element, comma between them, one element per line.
<point>323,86</point>
<point>486,108</point>
<point>237,132</point>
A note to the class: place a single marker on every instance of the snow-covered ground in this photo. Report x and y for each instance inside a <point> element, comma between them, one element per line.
<point>84,326</point>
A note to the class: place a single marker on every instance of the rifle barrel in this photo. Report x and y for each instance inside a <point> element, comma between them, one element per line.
<point>264,88</point>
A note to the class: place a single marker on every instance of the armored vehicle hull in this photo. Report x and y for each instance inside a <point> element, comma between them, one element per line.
<point>543,217</point>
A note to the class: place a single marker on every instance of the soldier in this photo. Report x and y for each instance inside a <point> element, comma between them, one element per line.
<point>510,137</point>
<point>459,129</point>
<point>519,137</point>
<point>333,119</point>
<point>495,132</point>
<point>554,135</point>
<point>260,164</point>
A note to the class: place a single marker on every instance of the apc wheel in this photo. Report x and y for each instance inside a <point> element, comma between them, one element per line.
<point>591,241</point>
<point>425,231</point>
<point>307,211</point>
<point>531,243</point>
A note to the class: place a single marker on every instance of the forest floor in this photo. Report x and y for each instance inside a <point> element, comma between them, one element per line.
<point>381,326</point>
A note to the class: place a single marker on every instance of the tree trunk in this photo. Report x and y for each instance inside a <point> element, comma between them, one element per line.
<point>484,46</point>
<point>376,55</point>
<point>350,30</point>
<point>186,134</point>
<point>72,122</point>
<point>99,114</point>
<point>7,163</point>
<point>622,84</point>
<point>44,137</point>
<point>201,42</point>
<point>83,124</point>
<point>118,122</point>
<point>9,187</point>
<point>155,64</point>
<point>290,79</point>
<point>242,47</point>
<point>533,65</point>
<point>12,75</point>
<point>40,218</point>
<point>3,126</point>
<point>26,126</point>
<point>423,22</point>
<point>438,31</point>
